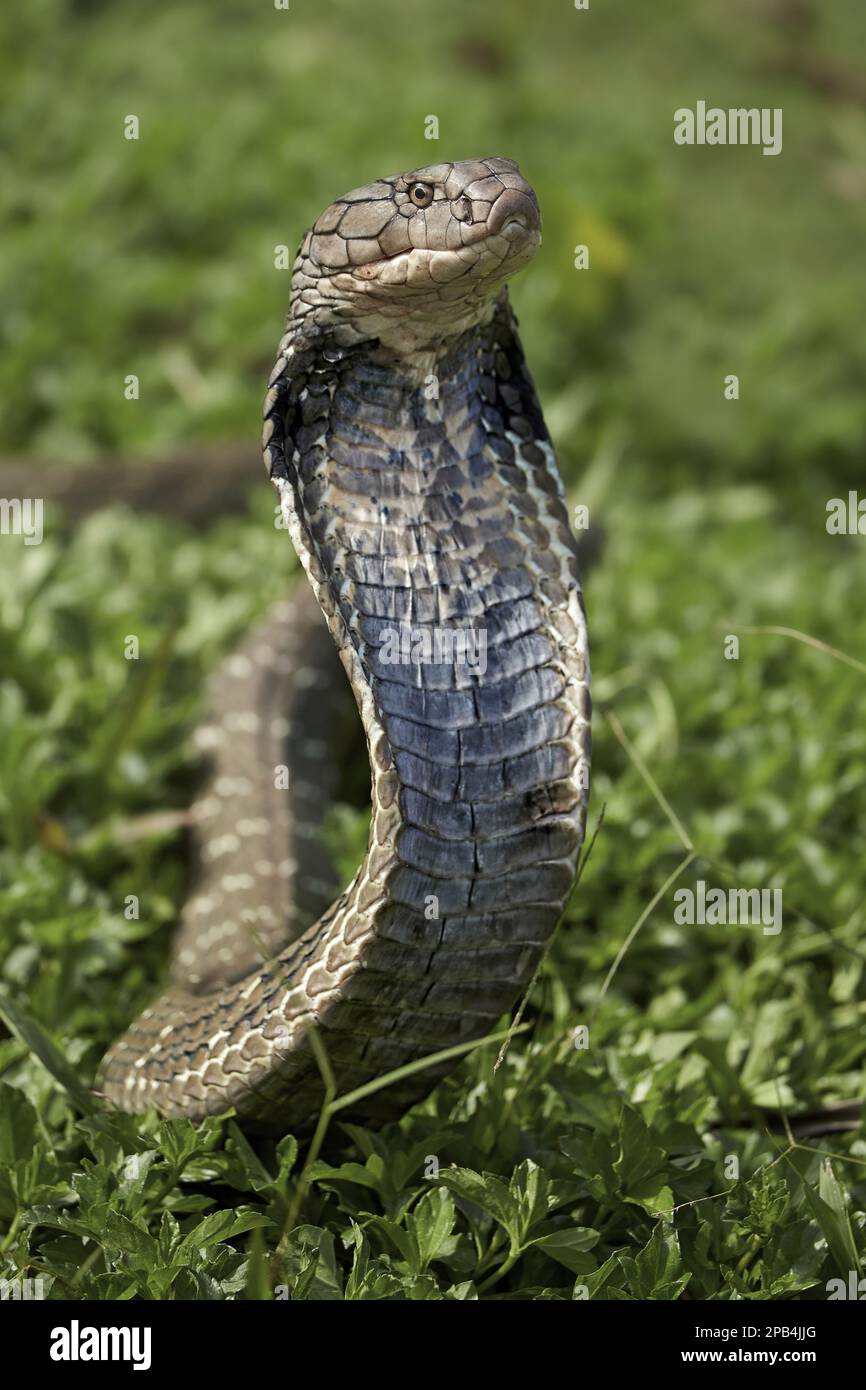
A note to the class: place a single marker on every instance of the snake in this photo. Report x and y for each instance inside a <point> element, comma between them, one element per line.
<point>418,483</point>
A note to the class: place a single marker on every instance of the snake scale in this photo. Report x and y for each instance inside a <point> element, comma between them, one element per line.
<point>420,489</point>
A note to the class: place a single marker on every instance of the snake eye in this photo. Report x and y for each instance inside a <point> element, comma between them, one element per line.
<point>421,195</point>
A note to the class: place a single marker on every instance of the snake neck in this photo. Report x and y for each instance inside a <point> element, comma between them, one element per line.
<point>427,511</point>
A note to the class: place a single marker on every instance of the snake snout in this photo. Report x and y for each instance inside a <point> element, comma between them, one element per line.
<point>515,205</point>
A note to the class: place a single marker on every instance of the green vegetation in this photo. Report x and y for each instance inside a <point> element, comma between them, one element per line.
<point>605,1169</point>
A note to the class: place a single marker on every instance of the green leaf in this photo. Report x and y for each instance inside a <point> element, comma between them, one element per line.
<point>830,1211</point>
<point>34,1036</point>
<point>218,1226</point>
<point>18,1126</point>
<point>258,1279</point>
<point>642,1165</point>
<point>657,1271</point>
<point>432,1222</point>
<point>310,1265</point>
<point>569,1247</point>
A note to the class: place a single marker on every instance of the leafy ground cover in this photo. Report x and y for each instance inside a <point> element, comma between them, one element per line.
<point>608,1166</point>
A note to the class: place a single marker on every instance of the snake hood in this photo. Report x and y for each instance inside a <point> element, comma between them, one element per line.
<point>415,259</point>
<point>420,490</point>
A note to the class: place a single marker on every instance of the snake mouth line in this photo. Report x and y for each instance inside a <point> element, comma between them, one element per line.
<point>531,233</point>
<point>481,262</point>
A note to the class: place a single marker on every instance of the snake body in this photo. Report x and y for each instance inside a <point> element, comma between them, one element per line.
<point>418,483</point>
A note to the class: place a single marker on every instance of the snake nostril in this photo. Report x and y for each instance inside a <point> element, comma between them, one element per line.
<point>513,205</point>
<point>462,210</point>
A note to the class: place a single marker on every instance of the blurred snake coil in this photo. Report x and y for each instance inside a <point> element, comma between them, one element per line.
<point>418,483</point>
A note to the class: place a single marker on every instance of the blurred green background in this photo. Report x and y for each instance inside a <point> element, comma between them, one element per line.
<point>155,258</point>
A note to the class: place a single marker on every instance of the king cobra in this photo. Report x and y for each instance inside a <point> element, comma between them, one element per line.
<point>419,487</point>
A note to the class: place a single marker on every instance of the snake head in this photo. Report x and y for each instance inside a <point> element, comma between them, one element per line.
<point>417,258</point>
